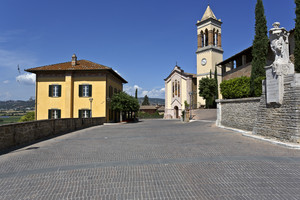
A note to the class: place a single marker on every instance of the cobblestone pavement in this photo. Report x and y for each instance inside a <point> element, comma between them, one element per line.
<point>154,159</point>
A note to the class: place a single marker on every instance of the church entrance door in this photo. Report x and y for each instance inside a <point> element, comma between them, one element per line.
<point>176,112</point>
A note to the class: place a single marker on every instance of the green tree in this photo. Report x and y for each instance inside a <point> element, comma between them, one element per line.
<point>216,80</point>
<point>297,37</point>
<point>122,102</point>
<point>136,93</point>
<point>146,101</point>
<point>260,46</point>
<point>207,90</point>
<point>28,117</point>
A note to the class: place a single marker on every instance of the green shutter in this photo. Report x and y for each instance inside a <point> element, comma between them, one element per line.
<point>49,114</point>
<point>90,90</point>
<point>58,114</point>
<point>59,90</point>
<point>80,91</point>
<point>50,91</point>
<point>79,113</point>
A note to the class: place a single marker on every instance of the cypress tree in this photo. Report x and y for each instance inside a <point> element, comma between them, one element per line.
<point>297,37</point>
<point>136,93</point>
<point>260,46</point>
<point>146,101</point>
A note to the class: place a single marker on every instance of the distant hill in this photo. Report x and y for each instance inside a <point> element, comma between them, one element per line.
<point>17,105</point>
<point>153,101</point>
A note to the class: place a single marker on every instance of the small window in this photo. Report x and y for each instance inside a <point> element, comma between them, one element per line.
<point>173,88</point>
<point>54,90</point>
<point>85,90</point>
<point>178,89</point>
<point>54,114</point>
<point>84,113</point>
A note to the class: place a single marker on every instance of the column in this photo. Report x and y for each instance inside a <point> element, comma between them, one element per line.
<point>68,91</point>
<point>219,40</point>
<point>210,37</point>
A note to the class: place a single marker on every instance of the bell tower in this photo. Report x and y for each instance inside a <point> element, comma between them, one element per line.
<point>209,51</point>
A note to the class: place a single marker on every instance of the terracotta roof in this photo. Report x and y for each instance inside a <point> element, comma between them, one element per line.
<point>190,74</point>
<point>148,107</point>
<point>81,65</point>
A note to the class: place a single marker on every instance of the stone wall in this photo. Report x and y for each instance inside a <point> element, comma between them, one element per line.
<point>244,70</point>
<point>237,113</point>
<point>12,135</point>
<point>281,121</point>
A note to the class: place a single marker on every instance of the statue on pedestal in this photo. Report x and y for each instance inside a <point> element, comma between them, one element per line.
<point>279,41</point>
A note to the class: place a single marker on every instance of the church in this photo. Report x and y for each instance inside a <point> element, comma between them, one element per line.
<point>181,87</point>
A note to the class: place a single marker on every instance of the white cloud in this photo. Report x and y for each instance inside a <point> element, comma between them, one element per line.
<point>154,93</point>
<point>6,81</point>
<point>5,96</point>
<point>131,89</point>
<point>26,79</point>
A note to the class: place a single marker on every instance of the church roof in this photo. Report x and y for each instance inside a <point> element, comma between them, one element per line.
<point>208,14</point>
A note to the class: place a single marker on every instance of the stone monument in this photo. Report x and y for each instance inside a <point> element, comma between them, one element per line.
<point>281,66</point>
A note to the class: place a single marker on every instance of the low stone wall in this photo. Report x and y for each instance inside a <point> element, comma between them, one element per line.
<point>281,121</point>
<point>12,135</point>
<point>237,113</point>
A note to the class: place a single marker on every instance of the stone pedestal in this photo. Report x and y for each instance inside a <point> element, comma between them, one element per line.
<point>274,86</point>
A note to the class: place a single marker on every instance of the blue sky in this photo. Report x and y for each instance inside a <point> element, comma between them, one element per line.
<point>140,39</point>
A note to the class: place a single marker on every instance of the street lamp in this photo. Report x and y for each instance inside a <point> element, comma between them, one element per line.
<point>91,101</point>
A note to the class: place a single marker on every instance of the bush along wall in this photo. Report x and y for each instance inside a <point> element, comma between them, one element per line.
<point>240,87</point>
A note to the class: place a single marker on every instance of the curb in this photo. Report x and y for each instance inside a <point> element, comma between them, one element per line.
<point>262,138</point>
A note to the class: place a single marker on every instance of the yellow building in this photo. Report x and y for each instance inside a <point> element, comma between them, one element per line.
<point>209,52</point>
<point>76,89</point>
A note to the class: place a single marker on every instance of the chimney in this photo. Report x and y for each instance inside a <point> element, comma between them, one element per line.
<point>74,60</point>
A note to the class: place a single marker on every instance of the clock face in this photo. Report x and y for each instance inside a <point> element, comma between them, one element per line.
<point>203,61</point>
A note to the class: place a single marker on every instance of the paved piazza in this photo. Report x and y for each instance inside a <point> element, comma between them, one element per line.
<point>154,159</point>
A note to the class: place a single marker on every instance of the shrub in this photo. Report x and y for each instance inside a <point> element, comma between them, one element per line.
<point>258,86</point>
<point>236,88</point>
<point>28,117</point>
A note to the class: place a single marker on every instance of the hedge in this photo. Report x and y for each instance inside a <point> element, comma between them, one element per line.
<point>240,87</point>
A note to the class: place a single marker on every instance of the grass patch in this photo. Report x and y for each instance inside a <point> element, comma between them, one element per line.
<point>9,120</point>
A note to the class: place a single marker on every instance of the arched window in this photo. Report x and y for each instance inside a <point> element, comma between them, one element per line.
<point>217,35</point>
<point>206,37</point>
<point>214,37</point>
<point>178,89</point>
<point>175,87</point>
<point>202,39</point>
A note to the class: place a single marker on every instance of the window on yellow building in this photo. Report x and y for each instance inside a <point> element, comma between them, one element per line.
<point>84,113</point>
<point>54,90</point>
<point>54,114</point>
<point>85,90</point>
